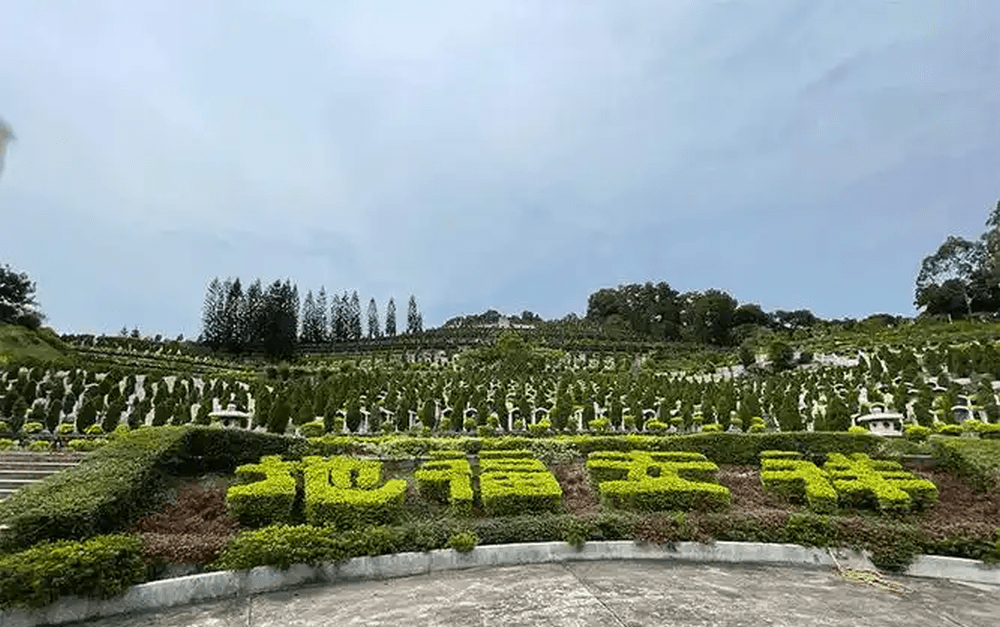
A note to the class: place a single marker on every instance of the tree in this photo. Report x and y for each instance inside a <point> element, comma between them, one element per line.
<point>354,318</point>
<point>235,324</point>
<point>414,321</point>
<point>781,355</point>
<point>322,320</point>
<point>708,317</point>
<point>213,315</point>
<point>373,325</point>
<point>17,293</point>
<point>311,333</point>
<point>338,319</point>
<point>390,319</point>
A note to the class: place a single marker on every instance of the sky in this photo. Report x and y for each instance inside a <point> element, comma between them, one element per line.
<point>502,155</point>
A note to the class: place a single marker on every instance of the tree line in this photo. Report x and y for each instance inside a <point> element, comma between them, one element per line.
<point>659,312</point>
<point>274,321</point>
<point>962,277</point>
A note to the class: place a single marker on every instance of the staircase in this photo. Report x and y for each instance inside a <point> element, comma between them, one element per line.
<point>18,469</point>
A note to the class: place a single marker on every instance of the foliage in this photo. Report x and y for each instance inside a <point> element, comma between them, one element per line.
<point>102,567</point>
<point>267,493</point>
<point>463,541</point>
<point>643,481</point>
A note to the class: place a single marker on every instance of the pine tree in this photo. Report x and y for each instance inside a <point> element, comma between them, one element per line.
<point>414,321</point>
<point>253,305</point>
<point>321,316</point>
<point>373,325</point>
<point>390,319</point>
<point>338,319</point>
<point>235,324</point>
<point>354,318</point>
<point>212,315</point>
<point>309,330</point>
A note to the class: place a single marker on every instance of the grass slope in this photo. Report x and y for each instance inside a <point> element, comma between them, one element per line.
<point>18,343</point>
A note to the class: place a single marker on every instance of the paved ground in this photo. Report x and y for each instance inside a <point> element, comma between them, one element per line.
<point>618,594</point>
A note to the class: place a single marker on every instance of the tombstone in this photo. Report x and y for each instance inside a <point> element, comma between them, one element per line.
<point>961,413</point>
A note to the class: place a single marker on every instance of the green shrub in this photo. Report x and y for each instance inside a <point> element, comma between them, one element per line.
<point>7,444</point>
<point>448,480</point>
<point>511,483</point>
<point>65,428</point>
<point>600,425</point>
<point>978,461</point>
<point>267,494</point>
<point>657,481</point>
<point>712,428</point>
<point>540,428</point>
<point>943,428</point>
<point>32,427</point>
<point>344,493</point>
<point>857,429</point>
<point>798,480</point>
<point>312,429</point>
<point>105,493</point>
<point>102,567</point>
<point>40,446</point>
<point>463,541</point>
<point>85,446</point>
<point>94,429</point>
<point>862,482</point>
<point>916,433</point>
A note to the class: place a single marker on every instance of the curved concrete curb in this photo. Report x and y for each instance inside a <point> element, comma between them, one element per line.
<point>212,586</point>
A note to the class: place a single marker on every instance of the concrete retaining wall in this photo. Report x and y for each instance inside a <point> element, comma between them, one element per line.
<point>212,586</point>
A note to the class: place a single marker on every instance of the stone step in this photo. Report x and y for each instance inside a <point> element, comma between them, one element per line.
<point>22,456</point>
<point>46,466</point>
<point>30,474</point>
<point>14,484</point>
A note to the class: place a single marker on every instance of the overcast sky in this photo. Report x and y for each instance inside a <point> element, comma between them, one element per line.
<point>508,155</point>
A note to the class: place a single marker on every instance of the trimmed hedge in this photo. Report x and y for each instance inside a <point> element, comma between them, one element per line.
<point>657,481</point>
<point>102,567</point>
<point>798,480</point>
<point>861,482</point>
<point>722,448</point>
<point>978,461</point>
<point>449,480</point>
<point>343,492</point>
<point>518,484</point>
<point>267,494</point>
<point>107,492</point>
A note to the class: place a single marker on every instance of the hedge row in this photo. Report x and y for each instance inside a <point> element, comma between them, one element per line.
<point>893,545</point>
<point>647,482</point>
<point>797,480</point>
<point>126,479</point>
<point>101,567</point>
<point>859,481</point>
<point>447,478</point>
<point>267,495</point>
<point>976,460</point>
<point>514,482</point>
<point>722,448</point>
<point>345,493</point>
<point>105,493</point>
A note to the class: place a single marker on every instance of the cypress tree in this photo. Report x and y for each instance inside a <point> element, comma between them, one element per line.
<point>354,318</point>
<point>373,325</point>
<point>414,321</point>
<point>322,322</point>
<point>390,319</point>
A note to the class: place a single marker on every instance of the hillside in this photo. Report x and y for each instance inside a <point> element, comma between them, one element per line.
<point>18,343</point>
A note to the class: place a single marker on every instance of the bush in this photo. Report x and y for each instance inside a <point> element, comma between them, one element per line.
<point>511,483</point>
<point>94,429</point>
<point>103,494</point>
<point>642,481</point>
<point>40,446</point>
<point>463,541</point>
<point>7,444</point>
<point>448,480</point>
<point>65,428</point>
<point>916,433</point>
<point>857,430</point>
<point>798,480</point>
<point>947,429</point>
<point>862,482</point>
<point>343,492</point>
<point>103,567</point>
<point>85,446</point>
<point>32,427</point>
<point>267,494</point>
<point>978,461</point>
<point>314,429</point>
